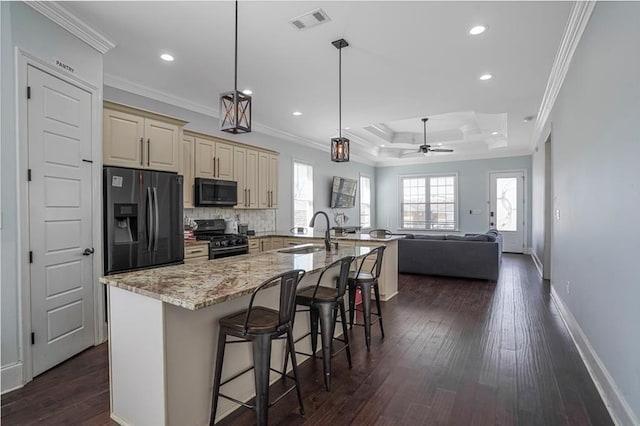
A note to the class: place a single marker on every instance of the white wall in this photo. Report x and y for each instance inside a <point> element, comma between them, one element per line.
<point>30,31</point>
<point>473,189</point>
<point>596,184</point>
<point>323,168</point>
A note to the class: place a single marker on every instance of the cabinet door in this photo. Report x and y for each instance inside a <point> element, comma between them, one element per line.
<point>239,175</point>
<point>162,145</point>
<point>122,139</point>
<point>263,180</point>
<point>224,161</point>
<point>273,181</point>
<point>277,243</point>
<point>252,178</point>
<point>188,145</point>
<point>265,244</point>
<point>205,149</point>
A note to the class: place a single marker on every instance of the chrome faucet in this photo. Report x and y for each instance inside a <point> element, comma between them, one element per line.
<point>327,236</point>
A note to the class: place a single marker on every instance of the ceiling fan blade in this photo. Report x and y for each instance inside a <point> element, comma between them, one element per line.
<point>440,150</point>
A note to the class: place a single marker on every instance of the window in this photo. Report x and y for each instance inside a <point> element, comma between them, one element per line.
<point>365,202</point>
<point>302,194</point>
<point>429,202</point>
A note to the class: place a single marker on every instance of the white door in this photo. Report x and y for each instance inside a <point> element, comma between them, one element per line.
<point>506,212</point>
<point>60,222</point>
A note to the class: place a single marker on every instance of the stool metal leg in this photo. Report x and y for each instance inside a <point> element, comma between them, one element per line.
<point>313,315</point>
<point>292,349</point>
<point>376,290</point>
<point>222,340</point>
<point>352,303</point>
<point>327,325</point>
<point>366,307</point>
<point>261,345</point>
<point>343,320</point>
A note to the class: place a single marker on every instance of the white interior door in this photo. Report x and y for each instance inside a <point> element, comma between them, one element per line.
<point>60,222</point>
<point>506,212</point>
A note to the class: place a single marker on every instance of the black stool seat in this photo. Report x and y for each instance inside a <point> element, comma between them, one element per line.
<point>361,276</point>
<point>322,294</point>
<point>261,321</point>
<point>324,305</point>
<point>260,326</point>
<point>367,281</point>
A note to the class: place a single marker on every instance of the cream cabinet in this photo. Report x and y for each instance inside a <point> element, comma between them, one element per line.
<point>188,159</point>
<point>245,172</point>
<point>277,243</point>
<point>254,245</point>
<point>196,251</point>
<point>265,244</point>
<point>213,158</point>
<point>140,139</point>
<point>267,180</point>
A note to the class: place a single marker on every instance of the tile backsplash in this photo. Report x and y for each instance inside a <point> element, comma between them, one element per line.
<point>258,220</point>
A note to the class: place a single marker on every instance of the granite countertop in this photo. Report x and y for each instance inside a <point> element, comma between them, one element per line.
<point>311,234</point>
<point>198,285</point>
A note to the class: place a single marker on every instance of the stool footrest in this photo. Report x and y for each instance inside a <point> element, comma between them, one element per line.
<point>235,376</point>
<point>244,404</point>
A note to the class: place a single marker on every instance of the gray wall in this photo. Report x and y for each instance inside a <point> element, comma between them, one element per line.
<point>27,29</point>
<point>473,189</point>
<point>596,185</point>
<point>323,168</point>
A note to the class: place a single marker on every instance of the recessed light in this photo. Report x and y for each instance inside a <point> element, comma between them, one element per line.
<point>478,29</point>
<point>439,144</point>
<point>484,77</point>
<point>166,57</point>
<point>494,133</point>
<point>382,145</point>
<point>247,92</point>
<point>296,113</point>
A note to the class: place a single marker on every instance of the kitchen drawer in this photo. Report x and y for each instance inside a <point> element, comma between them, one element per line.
<point>195,250</point>
<point>254,244</point>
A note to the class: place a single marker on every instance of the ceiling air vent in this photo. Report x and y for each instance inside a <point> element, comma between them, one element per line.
<point>310,19</point>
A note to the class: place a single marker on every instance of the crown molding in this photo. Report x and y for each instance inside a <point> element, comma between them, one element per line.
<point>70,22</point>
<point>576,24</point>
<point>160,96</point>
<point>394,162</point>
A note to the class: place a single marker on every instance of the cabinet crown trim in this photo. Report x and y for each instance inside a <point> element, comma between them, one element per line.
<point>143,113</point>
<point>193,134</point>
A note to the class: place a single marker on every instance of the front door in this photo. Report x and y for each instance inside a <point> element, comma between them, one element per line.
<point>506,212</point>
<point>60,222</point>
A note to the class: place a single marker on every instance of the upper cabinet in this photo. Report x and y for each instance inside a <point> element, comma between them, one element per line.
<point>267,180</point>
<point>245,171</point>
<point>140,139</point>
<point>213,158</point>
<point>188,164</point>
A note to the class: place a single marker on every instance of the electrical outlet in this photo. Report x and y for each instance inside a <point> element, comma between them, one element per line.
<point>557,213</point>
<point>568,287</point>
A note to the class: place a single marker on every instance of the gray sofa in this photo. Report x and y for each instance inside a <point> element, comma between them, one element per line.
<point>469,256</point>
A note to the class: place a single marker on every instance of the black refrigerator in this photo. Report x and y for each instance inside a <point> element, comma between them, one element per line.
<point>142,219</point>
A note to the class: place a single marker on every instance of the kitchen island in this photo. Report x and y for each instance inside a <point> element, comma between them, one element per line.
<point>163,329</point>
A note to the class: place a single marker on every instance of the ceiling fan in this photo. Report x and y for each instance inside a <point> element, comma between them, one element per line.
<point>424,148</point>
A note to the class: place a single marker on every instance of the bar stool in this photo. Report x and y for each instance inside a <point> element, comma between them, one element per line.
<point>365,281</point>
<point>260,326</point>
<point>324,304</point>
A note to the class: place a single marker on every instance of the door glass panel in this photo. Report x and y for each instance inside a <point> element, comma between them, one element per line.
<point>507,204</point>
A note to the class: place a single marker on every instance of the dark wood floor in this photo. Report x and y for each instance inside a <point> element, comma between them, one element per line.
<point>456,352</point>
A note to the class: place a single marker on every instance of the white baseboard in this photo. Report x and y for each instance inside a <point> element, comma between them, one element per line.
<point>537,262</point>
<point>11,377</point>
<point>615,402</point>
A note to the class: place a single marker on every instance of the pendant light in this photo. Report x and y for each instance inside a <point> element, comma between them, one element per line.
<point>340,145</point>
<point>235,106</point>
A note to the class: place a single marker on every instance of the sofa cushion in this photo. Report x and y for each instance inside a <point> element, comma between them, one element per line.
<point>469,237</point>
<point>428,237</point>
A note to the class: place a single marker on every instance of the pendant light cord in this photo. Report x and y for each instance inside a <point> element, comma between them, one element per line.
<point>235,70</point>
<point>340,92</point>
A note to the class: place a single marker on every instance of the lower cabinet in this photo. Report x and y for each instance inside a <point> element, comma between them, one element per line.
<point>277,243</point>
<point>195,252</point>
<point>254,245</point>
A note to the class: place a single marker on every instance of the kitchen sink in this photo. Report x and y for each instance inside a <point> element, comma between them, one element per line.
<point>302,249</point>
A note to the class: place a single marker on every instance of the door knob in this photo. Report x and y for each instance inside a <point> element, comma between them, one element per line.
<point>87,251</point>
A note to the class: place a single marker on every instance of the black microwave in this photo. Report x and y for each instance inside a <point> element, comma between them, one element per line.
<point>215,192</point>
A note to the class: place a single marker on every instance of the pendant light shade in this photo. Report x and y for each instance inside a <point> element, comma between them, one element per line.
<point>235,106</point>
<point>340,145</point>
